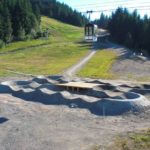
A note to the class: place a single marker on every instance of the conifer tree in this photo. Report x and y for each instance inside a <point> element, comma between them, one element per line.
<point>1,27</point>
<point>7,26</point>
<point>130,30</point>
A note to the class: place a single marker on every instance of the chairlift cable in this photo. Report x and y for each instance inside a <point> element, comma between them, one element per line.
<point>108,10</point>
<point>112,2</point>
<point>120,5</point>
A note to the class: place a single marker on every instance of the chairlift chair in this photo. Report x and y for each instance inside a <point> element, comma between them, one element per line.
<point>91,32</point>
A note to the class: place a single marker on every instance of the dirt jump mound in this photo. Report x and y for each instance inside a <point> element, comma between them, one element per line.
<point>102,99</point>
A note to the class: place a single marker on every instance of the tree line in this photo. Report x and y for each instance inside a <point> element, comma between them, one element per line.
<point>60,11</point>
<point>102,22</point>
<point>128,29</point>
<point>20,19</point>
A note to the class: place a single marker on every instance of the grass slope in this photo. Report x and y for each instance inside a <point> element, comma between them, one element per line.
<point>45,56</point>
<point>99,66</point>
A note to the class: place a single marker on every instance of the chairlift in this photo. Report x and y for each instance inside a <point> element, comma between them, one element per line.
<point>91,32</point>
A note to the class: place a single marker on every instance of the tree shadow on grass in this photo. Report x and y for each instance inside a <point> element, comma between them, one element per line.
<point>23,49</point>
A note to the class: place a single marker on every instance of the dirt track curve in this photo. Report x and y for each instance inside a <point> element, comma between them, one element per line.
<point>75,68</point>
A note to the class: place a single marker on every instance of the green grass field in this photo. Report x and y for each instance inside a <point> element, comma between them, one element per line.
<point>45,56</point>
<point>99,66</point>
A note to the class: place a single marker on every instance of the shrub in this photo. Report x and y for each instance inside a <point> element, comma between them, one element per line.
<point>33,34</point>
<point>2,44</point>
<point>21,35</point>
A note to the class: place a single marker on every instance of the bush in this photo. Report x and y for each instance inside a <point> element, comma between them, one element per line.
<point>2,44</point>
<point>28,37</point>
<point>21,35</point>
<point>33,34</point>
<point>45,34</point>
<point>39,34</point>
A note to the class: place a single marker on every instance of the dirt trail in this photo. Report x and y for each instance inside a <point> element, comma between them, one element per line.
<point>75,68</point>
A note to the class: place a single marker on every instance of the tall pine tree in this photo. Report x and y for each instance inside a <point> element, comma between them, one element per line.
<point>7,25</point>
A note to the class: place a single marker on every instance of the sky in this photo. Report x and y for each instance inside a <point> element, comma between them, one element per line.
<point>107,6</point>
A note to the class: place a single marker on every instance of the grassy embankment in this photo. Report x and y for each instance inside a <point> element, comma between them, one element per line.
<point>136,141</point>
<point>45,56</point>
<point>131,141</point>
<point>99,66</point>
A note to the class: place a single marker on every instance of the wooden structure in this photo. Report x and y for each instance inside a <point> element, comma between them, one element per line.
<point>77,85</point>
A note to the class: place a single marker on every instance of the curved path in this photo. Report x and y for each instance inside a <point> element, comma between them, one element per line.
<point>75,68</point>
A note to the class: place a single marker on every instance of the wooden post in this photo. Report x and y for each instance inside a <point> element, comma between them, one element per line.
<point>72,89</point>
<point>67,88</point>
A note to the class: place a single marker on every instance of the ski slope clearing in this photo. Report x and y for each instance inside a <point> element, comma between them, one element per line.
<point>45,56</point>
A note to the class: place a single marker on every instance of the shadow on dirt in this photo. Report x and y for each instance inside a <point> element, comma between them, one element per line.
<point>3,120</point>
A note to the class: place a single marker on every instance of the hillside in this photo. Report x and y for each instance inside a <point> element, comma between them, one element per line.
<point>60,11</point>
<point>46,55</point>
<point>21,19</point>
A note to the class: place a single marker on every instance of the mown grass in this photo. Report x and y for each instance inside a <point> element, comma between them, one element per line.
<point>45,56</point>
<point>24,44</point>
<point>133,141</point>
<point>61,31</point>
<point>99,66</point>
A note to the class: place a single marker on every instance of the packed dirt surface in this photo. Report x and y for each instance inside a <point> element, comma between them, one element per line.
<point>39,122</point>
<point>129,65</point>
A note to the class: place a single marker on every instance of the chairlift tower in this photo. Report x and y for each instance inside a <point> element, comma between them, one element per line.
<point>90,29</point>
<point>89,12</point>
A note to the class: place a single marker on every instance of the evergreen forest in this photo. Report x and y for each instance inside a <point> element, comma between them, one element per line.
<point>20,19</point>
<point>128,29</point>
